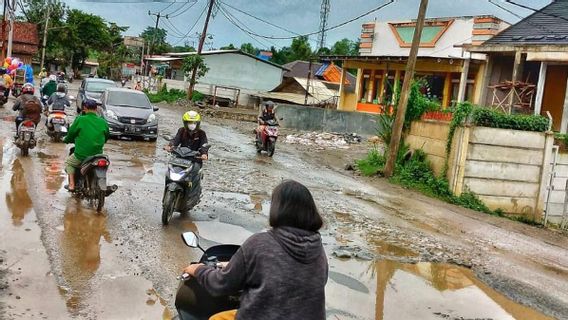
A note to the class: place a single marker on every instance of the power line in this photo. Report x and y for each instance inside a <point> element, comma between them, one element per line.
<point>184,11</point>
<point>171,27</point>
<point>167,7</point>
<point>536,10</point>
<point>259,19</point>
<point>325,30</point>
<point>193,26</point>
<point>543,28</point>
<point>232,19</point>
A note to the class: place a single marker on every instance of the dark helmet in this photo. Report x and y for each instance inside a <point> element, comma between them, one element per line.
<point>268,106</point>
<point>89,104</point>
<point>61,88</point>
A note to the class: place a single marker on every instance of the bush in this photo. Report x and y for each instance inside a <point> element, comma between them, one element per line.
<point>197,96</point>
<point>418,104</point>
<point>486,117</point>
<point>372,164</point>
<point>166,95</point>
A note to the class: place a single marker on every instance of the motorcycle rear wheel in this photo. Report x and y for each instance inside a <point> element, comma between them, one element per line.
<point>99,200</point>
<point>25,151</point>
<point>168,207</point>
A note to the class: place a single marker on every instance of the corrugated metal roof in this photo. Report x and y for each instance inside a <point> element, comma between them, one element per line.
<point>548,26</point>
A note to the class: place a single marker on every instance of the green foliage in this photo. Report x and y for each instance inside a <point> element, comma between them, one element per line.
<point>229,47</point>
<point>197,96</point>
<point>486,117</point>
<point>385,122</point>
<point>460,115</point>
<point>165,95</point>
<point>157,39</point>
<point>372,164</point>
<point>194,61</point>
<point>418,104</point>
<point>249,48</point>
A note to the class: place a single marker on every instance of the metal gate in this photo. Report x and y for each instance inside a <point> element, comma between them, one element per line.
<point>556,207</point>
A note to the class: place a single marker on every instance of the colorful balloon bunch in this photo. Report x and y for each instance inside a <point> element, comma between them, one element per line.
<point>11,64</point>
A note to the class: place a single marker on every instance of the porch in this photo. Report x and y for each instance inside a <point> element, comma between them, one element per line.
<point>448,81</point>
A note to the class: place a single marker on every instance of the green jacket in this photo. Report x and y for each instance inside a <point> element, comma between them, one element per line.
<point>89,132</point>
<point>49,88</point>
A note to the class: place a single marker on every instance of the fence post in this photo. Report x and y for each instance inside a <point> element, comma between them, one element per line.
<point>460,158</point>
<point>545,178</point>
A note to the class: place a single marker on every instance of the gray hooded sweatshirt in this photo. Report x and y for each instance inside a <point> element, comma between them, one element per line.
<point>282,273</point>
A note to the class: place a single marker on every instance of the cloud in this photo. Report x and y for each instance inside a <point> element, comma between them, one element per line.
<point>300,16</point>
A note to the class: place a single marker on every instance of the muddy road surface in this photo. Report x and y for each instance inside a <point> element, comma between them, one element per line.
<point>393,254</point>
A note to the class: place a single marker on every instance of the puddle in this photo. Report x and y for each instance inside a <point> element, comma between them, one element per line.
<point>415,291</point>
<point>257,202</point>
<point>53,167</point>
<point>388,249</point>
<point>17,199</point>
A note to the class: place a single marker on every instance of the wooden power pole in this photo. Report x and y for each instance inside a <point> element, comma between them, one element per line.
<point>44,43</point>
<point>200,48</point>
<point>405,92</point>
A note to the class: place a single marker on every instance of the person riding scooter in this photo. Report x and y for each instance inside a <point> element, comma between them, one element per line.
<point>89,132</point>
<point>266,115</point>
<point>26,105</point>
<point>191,136</point>
<point>6,81</point>
<point>59,101</point>
<point>50,87</point>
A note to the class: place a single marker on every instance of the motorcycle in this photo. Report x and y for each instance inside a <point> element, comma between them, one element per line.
<point>123,82</point>
<point>192,301</point>
<point>57,125</point>
<point>91,181</point>
<point>25,137</point>
<point>182,191</point>
<point>3,97</point>
<point>266,139</point>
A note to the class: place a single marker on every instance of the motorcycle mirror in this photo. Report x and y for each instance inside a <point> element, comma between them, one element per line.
<point>167,138</point>
<point>156,108</point>
<point>190,239</point>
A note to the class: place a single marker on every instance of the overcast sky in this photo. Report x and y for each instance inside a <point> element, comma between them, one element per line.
<point>300,16</point>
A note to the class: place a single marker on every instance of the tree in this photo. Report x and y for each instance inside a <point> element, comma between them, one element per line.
<point>190,63</point>
<point>158,44</point>
<point>300,49</point>
<point>345,47</point>
<point>185,48</point>
<point>229,47</point>
<point>84,33</point>
<point>249,48</point>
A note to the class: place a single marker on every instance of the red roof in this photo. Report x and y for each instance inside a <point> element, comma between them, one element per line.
<point>26,33</point>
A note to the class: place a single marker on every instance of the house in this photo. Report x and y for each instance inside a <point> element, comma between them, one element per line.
<point>527,66</point>
<point>321,90</point>
<point>227,68</point>
<point>25,43</point>
<point>451,74</point>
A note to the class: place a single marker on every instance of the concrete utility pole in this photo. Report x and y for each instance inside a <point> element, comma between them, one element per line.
<point>200,48</point>
<point>151,45</point>
<point>48,11</point>
<point>308,82</point>
<point>405,92</point>
<point>11,30</point>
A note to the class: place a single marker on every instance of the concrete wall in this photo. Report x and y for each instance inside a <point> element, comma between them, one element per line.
<point>431,137</point>
<point>241,71</point>
<point>328,120</point>
<point>558,194</point>
<point>506,169</point>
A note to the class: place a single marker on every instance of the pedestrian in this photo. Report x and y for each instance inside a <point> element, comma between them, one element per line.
<point>282,272</point>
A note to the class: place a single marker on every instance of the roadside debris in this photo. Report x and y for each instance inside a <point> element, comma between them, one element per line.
<point>324,140</point>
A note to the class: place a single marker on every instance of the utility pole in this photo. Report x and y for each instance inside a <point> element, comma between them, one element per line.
<point>151,45</point>
<point>308,82</point>
<point>48,11</point>
<point>11,30</point>
<point>405,92</point>
<point>200,48</point>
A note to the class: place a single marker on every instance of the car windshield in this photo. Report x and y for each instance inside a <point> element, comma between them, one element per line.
<point>98,86</point>
<point>128,99</point>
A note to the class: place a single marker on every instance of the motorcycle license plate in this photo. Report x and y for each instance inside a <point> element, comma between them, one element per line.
<point>57,121</point>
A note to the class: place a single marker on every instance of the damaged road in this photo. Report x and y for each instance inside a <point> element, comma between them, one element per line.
<point>393,254</point>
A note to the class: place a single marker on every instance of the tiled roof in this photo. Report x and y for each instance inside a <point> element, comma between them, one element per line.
<point>26,33</point>
<point>548,26</point>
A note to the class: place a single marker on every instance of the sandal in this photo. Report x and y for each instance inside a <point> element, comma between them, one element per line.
<point>68,189</point>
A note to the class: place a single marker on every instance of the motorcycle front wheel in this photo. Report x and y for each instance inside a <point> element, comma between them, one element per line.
<point>270,147</point>
<point>168,207</point>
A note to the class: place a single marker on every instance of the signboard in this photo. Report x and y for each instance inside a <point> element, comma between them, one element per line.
<point>130,41</point>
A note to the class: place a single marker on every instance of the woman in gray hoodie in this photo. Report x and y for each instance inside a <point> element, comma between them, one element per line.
<point>282,272</point>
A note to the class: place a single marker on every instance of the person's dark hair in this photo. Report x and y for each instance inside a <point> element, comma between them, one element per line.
<point>90,104</point>
<point>293,206</point>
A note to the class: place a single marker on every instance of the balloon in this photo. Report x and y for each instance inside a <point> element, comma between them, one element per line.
<point>8,60</point>
<point>20,64</point>
<point>6,65</point>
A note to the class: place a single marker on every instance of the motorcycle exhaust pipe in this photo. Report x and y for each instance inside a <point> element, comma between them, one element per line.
<point>110,190</point>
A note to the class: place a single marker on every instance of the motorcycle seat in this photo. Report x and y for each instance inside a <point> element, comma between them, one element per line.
<point>88,163</point>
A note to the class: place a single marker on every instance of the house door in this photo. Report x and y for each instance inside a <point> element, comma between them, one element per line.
<point>555,93</point>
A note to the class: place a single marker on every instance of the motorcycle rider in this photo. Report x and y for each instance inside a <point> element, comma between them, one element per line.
<point>266,115</point>
<point>59,101</point>
<point>191,136</point>
<point>89,132</point>
<point>282,273</point>
<point>26,107</point>
<point>50,87</point>
<point>42,74</point>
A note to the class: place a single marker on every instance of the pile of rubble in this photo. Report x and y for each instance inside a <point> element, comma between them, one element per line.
<point>324,140</point>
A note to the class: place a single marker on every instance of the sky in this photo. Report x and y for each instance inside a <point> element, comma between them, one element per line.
<point>299,16</point>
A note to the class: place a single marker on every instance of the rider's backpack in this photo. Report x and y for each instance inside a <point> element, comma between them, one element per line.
<point>32,110</point>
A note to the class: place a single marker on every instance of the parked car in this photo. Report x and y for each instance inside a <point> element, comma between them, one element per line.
<point>129,113</point>
<point>92,88</point>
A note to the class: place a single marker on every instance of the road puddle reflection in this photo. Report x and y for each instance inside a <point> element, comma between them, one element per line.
<point>18,200</point>
<point>415,291</point>
<point>53,167</point>
<point>80,250</point>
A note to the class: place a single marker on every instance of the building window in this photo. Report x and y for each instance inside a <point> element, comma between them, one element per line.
<point>365,81</point>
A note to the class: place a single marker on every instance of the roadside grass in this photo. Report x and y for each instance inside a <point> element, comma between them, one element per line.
<point>172,95</point>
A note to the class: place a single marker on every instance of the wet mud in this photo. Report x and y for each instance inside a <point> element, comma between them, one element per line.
<point>123,264</point>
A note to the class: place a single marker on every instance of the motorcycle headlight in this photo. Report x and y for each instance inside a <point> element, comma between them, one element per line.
<point>152,118</point>
<point>179,175</point>
<point>111,115</point>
